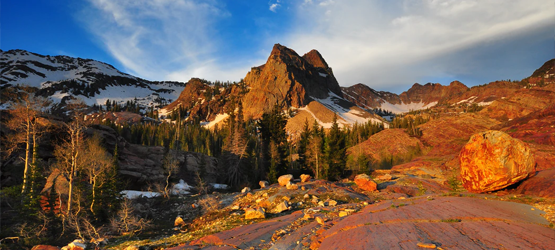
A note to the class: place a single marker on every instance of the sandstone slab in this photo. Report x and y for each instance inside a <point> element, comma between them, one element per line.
<point>493,160</point>
<point>447,222</point>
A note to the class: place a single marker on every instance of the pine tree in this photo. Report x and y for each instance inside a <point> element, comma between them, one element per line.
<point>335,153</point>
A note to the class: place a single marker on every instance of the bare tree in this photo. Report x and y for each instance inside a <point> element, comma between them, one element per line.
<point>69,152</point>
<point>171,167</point>
<point>98,164</point>
<point>28,127</point>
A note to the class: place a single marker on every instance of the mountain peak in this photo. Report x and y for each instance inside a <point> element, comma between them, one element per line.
<point>288,79</point>
<point>315,59</point>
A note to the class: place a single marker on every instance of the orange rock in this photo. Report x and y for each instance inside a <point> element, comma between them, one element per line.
<point>364,182</point>
<point>45,247</point>
<point>493,160</point>
<point>305,177</point>
<point>285,179</point>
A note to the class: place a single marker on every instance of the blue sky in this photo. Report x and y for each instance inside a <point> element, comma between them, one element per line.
<point>388,45</point>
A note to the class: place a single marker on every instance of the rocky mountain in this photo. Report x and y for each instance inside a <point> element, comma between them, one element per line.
<point>425,96</point>
<point>304,85</point>
<point>416,98</point>
<point>64,77</point>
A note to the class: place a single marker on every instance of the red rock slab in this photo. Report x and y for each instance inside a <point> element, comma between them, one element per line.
<point>483,224</point>
<point>542,184</point>
<point>45,247</point>
<point>300,235</point>
<point>249,235</point>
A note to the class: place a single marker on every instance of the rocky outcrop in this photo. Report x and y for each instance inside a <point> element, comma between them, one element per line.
<point>386,144</point>
<point>141,165</point>
<point>493,160</point>
<point>204,101</point>
<point>542,184</point>
<point>289,80</point>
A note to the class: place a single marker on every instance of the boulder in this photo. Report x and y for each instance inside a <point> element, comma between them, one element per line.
<point>179,222</point>
<point>493,160</point>
<point>45,247</point>
<point>76,245</point>
<point>254,213</point>
<point>305,178</point>
<point>245,190</point>
<point>386,177</point>
<point>366,183</point>
<point>263,184</point>
<point>285,179</point>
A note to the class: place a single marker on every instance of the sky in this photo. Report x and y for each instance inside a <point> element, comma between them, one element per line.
<point>387,45</point>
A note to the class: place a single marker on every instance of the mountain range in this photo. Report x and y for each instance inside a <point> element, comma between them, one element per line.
<point>303,85</point>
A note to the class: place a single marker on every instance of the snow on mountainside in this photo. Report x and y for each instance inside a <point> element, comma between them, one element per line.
<point>95,82</point>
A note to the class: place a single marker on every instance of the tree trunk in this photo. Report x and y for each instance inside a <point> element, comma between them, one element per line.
<point>93,194</point>
<point>27,152</point>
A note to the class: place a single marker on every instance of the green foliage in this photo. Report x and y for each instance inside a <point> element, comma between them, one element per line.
<point>410,124</point>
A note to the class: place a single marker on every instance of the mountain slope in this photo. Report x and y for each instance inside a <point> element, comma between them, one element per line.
<point>63,77</point>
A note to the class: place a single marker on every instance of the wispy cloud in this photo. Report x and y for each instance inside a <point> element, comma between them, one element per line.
<point>402,42</point>
<point>160,39</point>
<point>275,6</point>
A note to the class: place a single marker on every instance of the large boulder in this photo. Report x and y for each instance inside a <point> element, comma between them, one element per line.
<point>493,160</point>
<point>364,182</point>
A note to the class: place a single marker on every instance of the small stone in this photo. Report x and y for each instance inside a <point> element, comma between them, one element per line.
<point>132,248</point>
<point>179,222</point>
<point>303,188</point>
<point>320,220</point>
<point>308,217</point>
<point>426,245</point>
<point>305,177</point>
<point>283,206</point>
<point>259,200</point>
<point>306,196</point>
<point>236,207</point>
<point>245,190</point>
<point>77,245</point>
<point>343,213</point>
<point>265,195</point>
<point>45,247</point>
<point>284,179</point>
<point>287,198</point>
<point>291,186</point>
<point>401,198</point>
<point>321,204</point>
<point>365,203</point>
<point>251,213</point>
<point>263,184</point>
<point>331,203</point>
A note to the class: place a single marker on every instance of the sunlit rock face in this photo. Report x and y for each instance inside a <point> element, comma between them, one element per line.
<point>493,160</point>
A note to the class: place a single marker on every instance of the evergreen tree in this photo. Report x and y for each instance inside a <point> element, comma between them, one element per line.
<point>335,154</point>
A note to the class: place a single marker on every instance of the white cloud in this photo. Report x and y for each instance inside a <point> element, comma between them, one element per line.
<point>157,39</point>
<point>388,43</point>
<point>273,7</point>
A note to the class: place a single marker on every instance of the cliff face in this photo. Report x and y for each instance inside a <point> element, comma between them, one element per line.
<point>288,79</point>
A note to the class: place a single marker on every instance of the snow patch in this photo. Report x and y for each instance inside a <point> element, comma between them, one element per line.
<point>406,107</point>
<point>181,188</point>
<point>134,194</point>
<point>219,118</point>
<point>219,186</point>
